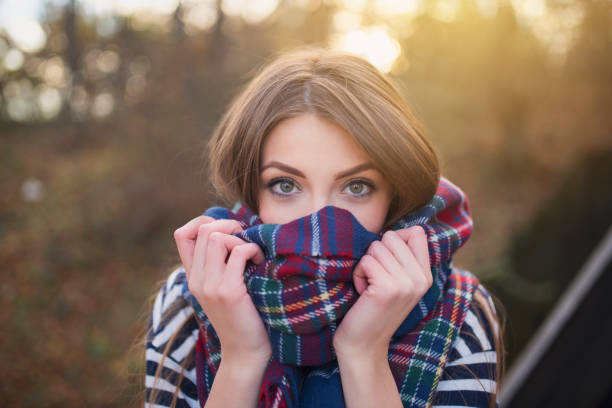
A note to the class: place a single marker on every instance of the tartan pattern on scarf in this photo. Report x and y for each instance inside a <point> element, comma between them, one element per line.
<point>418,358</point>
<point>304,288</point>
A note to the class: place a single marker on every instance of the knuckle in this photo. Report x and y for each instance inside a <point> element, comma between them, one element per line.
<point>215,237</point>
<point>422,286</point>
<point>366,261</point>
<point>202,229</point>
<point>240,249</point>
<point>207,219</point>
<point>178,233</point>
<point>388,235</point>
<point>406,287</point>
<point>391,292</point>
<point>225,293</point>
<point>419,231</point>
<point>376,248</point>
<point>209,293</point>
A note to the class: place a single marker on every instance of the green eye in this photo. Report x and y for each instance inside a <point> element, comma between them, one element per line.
<point>356,188</point>
<point>282,187</point>
<point>286,186</point>
<point>359,188</point>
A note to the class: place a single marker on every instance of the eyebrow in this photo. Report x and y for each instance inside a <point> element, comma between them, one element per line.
<point>339,175</point>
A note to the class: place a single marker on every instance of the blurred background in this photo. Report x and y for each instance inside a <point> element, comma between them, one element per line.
<point>106,105</point>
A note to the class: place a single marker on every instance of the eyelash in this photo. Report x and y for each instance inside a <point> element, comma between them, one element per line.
<point>277,180</point>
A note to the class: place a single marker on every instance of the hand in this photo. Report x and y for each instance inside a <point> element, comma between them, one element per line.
<point>391,278</point>
<point>217,282</point>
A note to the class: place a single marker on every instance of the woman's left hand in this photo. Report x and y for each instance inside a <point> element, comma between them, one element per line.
<point>391,278</point>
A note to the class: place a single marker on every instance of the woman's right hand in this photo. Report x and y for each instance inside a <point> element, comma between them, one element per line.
<point>217,282</point>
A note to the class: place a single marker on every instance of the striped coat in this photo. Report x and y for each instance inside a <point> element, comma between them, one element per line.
<point>467,380</point>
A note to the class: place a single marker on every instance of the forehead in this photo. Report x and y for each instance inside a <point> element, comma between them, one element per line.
<point>310,139</point>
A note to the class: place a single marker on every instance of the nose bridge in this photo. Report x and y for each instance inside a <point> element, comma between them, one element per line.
<point>320,199</point>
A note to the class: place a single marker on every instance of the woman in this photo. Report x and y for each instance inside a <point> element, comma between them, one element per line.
<point>320,143</point>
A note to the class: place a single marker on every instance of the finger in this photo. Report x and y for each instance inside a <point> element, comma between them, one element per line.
<point>365,273</point>
<point>416,239</point>
<point>238,258</point>
<point>257,256</point>
<point>400,250</point>
<point>196,274</point>
<point>203,230</point>
<point>212,263</point>
<point>382,254</point>
<point>185,238</point>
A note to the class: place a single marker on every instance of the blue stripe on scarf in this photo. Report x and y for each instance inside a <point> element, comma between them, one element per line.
<point>300,237</point>
<point>332,232</point>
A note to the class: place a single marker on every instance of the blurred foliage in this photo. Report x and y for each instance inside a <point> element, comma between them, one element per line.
<point>104,128</point>
<point>546,255</point>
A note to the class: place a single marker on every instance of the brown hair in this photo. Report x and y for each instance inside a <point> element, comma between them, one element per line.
<point>495,315</point>
<point>342,88</point>
<point>346,90</point>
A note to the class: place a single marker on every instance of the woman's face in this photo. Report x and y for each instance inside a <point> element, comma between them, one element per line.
<point>308,163</point>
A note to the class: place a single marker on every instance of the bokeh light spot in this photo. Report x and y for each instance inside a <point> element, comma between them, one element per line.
<point>32,190</point>
<point>13,59</point>
<point>251,11</point>
<point>28,35</point>
<point>49,102</point>
<point>372,43</point>
<point>103,105</point>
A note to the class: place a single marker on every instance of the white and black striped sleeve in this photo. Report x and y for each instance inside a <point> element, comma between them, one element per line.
<point>469,378</point>
<point>170,315</point>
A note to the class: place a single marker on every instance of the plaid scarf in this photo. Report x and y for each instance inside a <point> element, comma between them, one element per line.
<point>304,288</point>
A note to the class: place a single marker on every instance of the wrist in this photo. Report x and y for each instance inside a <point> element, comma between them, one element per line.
<point>367,380</point>
<point>250,359</point>
<point>361,350</point>
<point>237,382</point>
<point>243,368</point>
<point>372,355</point>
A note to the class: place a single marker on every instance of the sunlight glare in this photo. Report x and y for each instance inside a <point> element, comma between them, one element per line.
<point>28,35</point>
<point>390,8</point>
<point>446,10</point>
<point>555,28</point>
<point>372,43</point>
<point>251,11</point>
<point>356,6</point>
<point>200,15</point>
<point>345,20</point>
<point>151,6</point>
<point>487,8</point>
<point>530,8</point>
